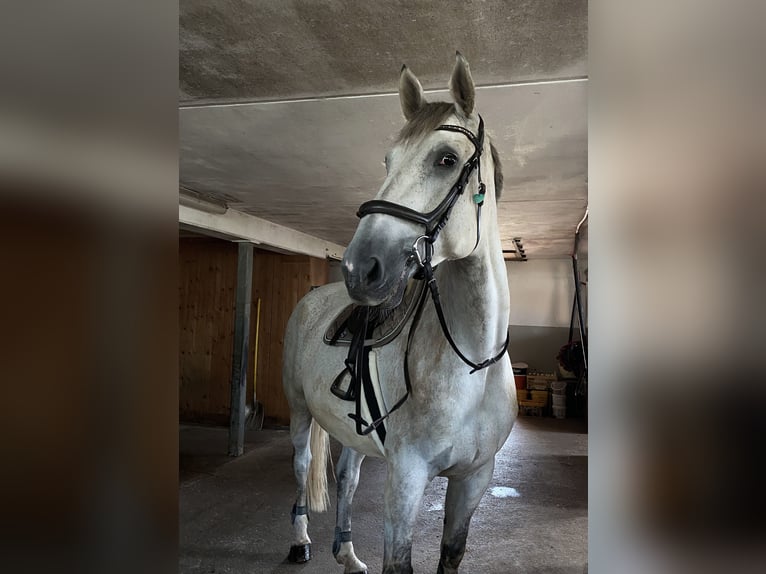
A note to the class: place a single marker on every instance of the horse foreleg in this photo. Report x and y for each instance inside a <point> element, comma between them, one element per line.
<point>300,430</point>
<point>463,496</point>
<point>348,479</point>
<point>405,484</point>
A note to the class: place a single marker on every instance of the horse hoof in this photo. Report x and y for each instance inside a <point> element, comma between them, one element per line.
<point>300,553</point>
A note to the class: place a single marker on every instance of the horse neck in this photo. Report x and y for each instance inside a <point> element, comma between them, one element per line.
<point>475,296</point>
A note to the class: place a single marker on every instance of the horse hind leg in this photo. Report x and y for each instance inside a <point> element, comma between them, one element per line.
<point>300,433</point>
<point>348,478</point>
<point>463,496</point>
<point>311,446</point>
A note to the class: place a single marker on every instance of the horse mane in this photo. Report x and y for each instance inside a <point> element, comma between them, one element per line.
<point>429,117</point>
<point>498,170</point>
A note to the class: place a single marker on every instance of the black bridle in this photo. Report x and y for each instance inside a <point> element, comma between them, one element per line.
<point>434,221</point>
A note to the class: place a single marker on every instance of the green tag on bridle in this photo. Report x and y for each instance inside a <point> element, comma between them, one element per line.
<point>478,197</point>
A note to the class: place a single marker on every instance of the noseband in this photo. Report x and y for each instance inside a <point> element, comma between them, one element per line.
<point>434,221</point>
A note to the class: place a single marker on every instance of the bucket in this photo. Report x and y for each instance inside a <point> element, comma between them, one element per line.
<point>559,412</point>
<point>559,387</point>
<point>559,400</point>
<point>520,375</point>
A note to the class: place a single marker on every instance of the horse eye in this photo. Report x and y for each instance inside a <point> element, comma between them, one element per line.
<point>447,160</point>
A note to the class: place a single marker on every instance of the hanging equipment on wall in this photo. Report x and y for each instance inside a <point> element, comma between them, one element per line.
<point>574,355</point>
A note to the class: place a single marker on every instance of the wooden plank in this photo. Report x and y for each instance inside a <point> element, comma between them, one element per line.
<point>207,294</point>
<point>241,349</point>
<point>320,270</point>
<point>269,368</point>
<point>207,277</point>
<point>286,304</point>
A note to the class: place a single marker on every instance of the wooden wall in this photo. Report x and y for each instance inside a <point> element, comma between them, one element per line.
<point>207,288</point>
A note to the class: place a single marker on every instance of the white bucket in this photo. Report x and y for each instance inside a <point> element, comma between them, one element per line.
<point>559,387</point>
<point>559,400</point>
<point>559,412</point>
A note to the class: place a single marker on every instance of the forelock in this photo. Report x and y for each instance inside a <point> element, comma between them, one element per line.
<point>429,117</point>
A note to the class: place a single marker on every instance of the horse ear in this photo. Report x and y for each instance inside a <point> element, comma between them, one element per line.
<point>410,93</point>
<point>461,86</point>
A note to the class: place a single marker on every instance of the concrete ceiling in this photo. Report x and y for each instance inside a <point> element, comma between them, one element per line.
<point>272,123</point>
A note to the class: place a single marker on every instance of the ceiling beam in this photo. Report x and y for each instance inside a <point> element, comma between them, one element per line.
<point>241,226</point>
<point>224,103</point>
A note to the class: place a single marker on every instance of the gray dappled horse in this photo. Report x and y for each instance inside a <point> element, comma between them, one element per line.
<point>424,344</point>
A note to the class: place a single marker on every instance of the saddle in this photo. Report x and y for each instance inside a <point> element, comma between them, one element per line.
<point>386,323</point>
<point>361,329</point>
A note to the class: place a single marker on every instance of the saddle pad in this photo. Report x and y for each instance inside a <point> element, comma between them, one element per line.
<point>389,322</point>
<point>364,409</point>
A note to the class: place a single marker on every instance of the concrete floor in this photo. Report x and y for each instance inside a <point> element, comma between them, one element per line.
<point>234,513</point>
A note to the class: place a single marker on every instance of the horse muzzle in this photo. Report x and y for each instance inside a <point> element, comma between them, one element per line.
<point>374,280</point>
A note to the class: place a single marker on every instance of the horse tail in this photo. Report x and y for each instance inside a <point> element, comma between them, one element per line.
<point>316,483</point>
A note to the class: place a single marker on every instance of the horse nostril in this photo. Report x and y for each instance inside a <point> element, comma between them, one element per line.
<point>373,271</point>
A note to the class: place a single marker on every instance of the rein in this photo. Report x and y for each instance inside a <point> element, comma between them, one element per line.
<point>434,221</point>
<point>428,273</point>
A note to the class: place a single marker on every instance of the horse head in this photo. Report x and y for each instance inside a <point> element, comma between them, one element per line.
<point>434,175</point>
